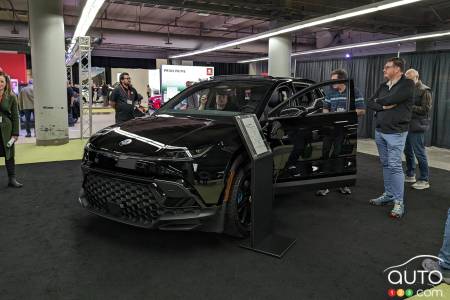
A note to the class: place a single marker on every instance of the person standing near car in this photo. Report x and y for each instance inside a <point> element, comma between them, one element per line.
<point>392,104</point>
<point>336,100</point>
<point>443,265</point>
<point>415,142</point>
<point>124,98</point>
<point>105,94</point>
<point>9,128</point>
<point>26,104</point>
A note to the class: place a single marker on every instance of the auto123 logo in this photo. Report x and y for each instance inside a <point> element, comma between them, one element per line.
<point>407,282</point>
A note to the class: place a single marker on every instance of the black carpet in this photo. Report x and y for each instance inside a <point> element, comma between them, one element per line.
<point>51,248</point>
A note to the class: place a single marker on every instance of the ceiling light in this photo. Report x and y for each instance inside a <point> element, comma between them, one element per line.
<point>203,14</point>
<point>377,43</point>
<point>409,38</point>
<point>88,15</point>
<point>346,14</point>
<point>253,60</point>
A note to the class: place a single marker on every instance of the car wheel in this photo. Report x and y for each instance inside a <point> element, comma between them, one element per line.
<point>238,214</point>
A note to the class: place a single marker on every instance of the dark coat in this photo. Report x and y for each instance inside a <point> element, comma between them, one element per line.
<point>10,123</point>
<point>420,120</point>
<point>124,110</point>
<point>397,119</point>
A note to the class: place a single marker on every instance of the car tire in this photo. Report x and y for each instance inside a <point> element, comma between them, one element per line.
<point>238,209</point>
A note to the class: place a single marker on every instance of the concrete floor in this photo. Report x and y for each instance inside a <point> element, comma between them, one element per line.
<point>99,121</point>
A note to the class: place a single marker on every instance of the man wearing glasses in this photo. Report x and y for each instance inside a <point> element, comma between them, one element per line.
<point>392,104</point>
<point>124,98</point>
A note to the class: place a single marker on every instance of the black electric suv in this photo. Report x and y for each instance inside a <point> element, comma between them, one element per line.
<point>185,167</point>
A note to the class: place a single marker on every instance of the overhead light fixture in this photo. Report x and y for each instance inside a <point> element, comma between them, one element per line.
<point>246,61</point>
<point>409,38</point>
<point>88,15</point>
<point>203,14</point>
<point>346,14</point>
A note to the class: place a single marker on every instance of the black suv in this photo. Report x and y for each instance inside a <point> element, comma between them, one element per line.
<point>185,167</point>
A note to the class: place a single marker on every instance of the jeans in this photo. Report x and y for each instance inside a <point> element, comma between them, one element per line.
<point>445,250</point>
<point>390,148</point>
<point>415,146</point>
<point>28,113</point>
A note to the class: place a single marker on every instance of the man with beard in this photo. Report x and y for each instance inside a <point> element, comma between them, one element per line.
<point>124,98</point>
<point>392,104</point>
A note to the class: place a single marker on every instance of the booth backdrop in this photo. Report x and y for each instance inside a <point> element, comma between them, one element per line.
<point>15,65</point>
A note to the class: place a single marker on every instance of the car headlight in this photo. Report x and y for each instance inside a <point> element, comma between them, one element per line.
<point>87,146</point>
<point>199,152</point>
<point>176,153</point>
<point>187,154</point>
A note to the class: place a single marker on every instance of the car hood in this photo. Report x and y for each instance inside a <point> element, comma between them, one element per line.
<point>149,135</point>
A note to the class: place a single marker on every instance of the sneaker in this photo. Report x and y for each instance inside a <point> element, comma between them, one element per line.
<point>293,171</point>
<point>322,192</point>
<point>410,179</point>
<point>28,135</point>
<point>430,265</point>
<point>398,211</point>
<point>382,200</point>
<point>345,190</point>
<point>421,185</point>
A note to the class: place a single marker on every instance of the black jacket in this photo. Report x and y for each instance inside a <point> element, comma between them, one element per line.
<point>421,108</point>
<point>394,120</point>
<point>125,100</point>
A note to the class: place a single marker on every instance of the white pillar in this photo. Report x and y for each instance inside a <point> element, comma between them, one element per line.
<point>49,71</point>
<point>252,68</point>
<point>280,48</point>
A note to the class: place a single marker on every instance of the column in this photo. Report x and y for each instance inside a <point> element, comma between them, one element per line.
<point>280,48</point>
<point>49,72</point>
<point>252,68</point>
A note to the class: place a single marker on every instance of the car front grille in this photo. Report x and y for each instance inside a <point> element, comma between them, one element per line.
<point>129,201</point>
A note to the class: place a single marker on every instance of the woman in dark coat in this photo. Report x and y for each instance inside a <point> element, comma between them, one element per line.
<point>9,127</point>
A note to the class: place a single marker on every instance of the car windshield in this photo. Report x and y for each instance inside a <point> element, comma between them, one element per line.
<point>220,98</point>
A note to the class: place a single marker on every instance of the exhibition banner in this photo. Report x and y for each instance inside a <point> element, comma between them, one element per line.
<point>174,78</point>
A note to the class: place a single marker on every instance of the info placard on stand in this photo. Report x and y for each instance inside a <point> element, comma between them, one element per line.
<point>262,237</point>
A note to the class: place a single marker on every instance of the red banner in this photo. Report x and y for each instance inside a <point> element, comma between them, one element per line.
<point>15,65</point>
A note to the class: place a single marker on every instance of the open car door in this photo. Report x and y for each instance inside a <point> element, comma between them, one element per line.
<point>314,147</point>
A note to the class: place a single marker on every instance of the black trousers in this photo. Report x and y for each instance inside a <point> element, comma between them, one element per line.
<point>10,164</point>
<point>28,113</point>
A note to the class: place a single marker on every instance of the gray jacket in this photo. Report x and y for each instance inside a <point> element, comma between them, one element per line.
<point>26,98</point>
<point>420,120</point>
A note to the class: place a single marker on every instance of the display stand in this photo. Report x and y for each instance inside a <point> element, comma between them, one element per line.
<point>262,237</point>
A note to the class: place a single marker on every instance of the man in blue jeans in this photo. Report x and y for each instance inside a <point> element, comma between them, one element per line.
<point>415,142</point>
<point>443,265</point>
<point>336,100</point>
<point>392,104</point>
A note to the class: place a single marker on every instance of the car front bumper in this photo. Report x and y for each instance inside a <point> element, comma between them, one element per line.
<point>148,203</point>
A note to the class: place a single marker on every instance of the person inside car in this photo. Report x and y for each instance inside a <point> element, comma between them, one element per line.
<point>222,102</point>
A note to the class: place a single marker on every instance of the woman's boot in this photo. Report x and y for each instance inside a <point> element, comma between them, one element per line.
<point>11,169</point>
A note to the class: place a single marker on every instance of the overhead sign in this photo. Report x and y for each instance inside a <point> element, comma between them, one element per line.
<point>174,78</point>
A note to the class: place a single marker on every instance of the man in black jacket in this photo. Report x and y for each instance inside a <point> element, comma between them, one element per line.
<point>415,142</point>
<point>392,104</point>
<point>124,98</point>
